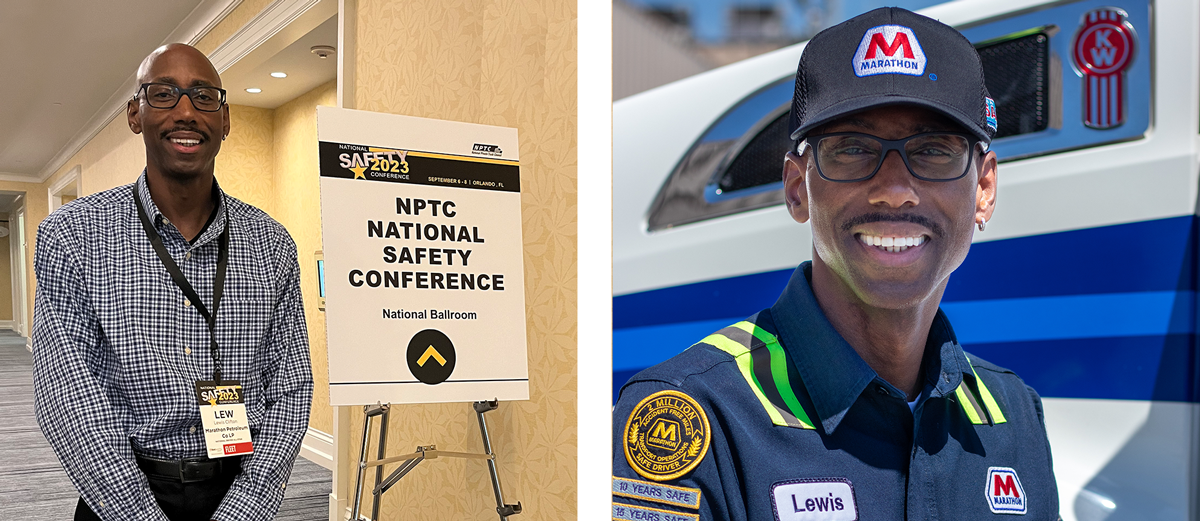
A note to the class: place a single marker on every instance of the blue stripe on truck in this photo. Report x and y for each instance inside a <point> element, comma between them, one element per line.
<point>1137,257</point>
<point>1061,310</point>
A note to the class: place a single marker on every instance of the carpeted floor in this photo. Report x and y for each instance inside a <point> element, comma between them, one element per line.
<point>33,486</point>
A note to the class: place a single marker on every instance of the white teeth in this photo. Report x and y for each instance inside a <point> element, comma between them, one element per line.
<point>892,244</point>
<point>186,142</point>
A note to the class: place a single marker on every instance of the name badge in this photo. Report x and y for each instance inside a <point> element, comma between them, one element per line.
<point>223,413</point>
<point>824,499</point>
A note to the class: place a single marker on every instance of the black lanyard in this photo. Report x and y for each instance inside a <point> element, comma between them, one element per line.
<point>185,286</point>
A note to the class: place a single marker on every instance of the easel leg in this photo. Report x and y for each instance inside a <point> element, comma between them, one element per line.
<point>501,508</point>
<point>368,413</point>
<point>383,426</point>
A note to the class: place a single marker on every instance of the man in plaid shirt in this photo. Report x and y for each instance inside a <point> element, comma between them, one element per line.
<point>127,279</point>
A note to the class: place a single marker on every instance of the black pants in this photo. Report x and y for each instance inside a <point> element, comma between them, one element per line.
<point>180,501</point>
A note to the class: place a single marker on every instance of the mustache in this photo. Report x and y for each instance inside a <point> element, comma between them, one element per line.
<point>892,217</point>
<point>202,133</point>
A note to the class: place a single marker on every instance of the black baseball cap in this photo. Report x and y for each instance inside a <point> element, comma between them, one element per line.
<point>891,56</point>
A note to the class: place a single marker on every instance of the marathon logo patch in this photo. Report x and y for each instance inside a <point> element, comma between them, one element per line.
<point>889,49</point>
<point>1004,493</point>
<point>991,113</point>
<point>665,494</point>
<point>623,512</point>
<point>824,499</point>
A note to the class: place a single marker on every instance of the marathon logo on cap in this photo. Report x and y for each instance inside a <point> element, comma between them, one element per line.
<point>1004,492</point>
<point>991,112</point>
<point>889,49</point>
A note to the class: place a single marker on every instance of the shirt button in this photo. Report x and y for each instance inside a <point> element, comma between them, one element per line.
<point>187,350</point>
<point>879,389</point>
<point>192,430</point>
<point>102,503</point>
<point>165,220</point>
<point>283,486</point>
<point>187,303</point>
<point>187,255</point>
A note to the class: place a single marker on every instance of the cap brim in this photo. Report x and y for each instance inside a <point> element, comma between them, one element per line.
<point>859,104</point>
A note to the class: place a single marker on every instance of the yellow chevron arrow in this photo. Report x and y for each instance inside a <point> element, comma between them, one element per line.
<point>431,353</point>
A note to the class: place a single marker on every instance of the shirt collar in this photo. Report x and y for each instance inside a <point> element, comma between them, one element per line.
<point>212,228</point>
<point>832,372</point>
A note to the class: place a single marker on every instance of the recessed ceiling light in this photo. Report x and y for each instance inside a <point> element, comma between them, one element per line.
<point>278,74</point>
<point>254,90</point>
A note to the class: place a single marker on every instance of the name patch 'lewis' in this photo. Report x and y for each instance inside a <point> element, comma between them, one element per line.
<point>822,499</point>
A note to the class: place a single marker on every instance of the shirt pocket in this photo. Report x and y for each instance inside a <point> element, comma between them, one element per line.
<point>243,327</point>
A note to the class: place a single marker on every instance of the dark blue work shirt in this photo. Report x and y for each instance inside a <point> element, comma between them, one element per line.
<point>778,418</point>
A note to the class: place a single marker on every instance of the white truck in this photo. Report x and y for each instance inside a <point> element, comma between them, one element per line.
<point>1084,283</point>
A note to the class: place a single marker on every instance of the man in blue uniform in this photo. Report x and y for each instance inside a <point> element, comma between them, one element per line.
<point>851,398</point>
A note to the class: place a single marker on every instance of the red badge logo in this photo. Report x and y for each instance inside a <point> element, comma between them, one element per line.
<point>1103,49</point>
<point>1004,492</point>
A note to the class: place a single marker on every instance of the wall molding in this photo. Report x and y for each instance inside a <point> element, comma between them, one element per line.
<point>197,25</point>
<point>8,324</point>
<point>29,343</point>
<point>317,447</point>
<point>274,18</point>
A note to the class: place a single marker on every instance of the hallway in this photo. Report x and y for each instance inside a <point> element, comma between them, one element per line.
<point>36,488</point>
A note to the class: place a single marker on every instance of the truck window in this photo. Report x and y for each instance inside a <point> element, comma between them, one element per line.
<point>1029,69</point>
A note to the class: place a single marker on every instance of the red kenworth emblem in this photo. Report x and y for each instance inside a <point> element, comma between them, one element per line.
<point>1104,48</point>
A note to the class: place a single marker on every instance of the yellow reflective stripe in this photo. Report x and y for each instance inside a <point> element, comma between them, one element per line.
<point>988,401</point>
<point>741,355</point>
<point>965,401</point>
<point>779,371</point>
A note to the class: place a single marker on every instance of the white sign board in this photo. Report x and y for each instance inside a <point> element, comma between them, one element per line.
<point>424,274</point>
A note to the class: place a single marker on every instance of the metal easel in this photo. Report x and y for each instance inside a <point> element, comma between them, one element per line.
<point>412,459</point>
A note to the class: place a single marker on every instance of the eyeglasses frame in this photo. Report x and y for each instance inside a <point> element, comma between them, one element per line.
<point>190,92</point>
<point>888,146</point>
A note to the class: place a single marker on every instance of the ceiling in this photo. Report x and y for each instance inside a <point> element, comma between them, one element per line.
<point>68,65</point>
<point>63,60</point>
<point>305,70</point>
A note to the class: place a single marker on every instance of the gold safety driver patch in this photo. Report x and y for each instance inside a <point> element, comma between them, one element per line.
<point>666,436</point>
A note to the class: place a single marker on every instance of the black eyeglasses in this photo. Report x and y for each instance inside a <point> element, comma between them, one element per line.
<point>166,96</point>
<point>846,157</point>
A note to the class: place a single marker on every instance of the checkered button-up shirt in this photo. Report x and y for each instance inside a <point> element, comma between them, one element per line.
<point>117,348</point>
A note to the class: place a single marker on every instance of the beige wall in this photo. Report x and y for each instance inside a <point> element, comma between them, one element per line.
<point>296,203</point>
<point>507,63</point>
<point>245,166</point>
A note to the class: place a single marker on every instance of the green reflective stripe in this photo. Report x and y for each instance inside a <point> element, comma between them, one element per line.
<point>968,404</point>
<point>988,400</point>
<point>779,371</point>
<point>739,352</point>
<point>770,364</point>
<point>760,363</point>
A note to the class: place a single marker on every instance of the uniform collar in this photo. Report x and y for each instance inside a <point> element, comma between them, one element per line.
<point>212,228</point>
<point>832,372</point>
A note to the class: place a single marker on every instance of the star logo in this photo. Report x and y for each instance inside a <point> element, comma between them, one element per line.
<point>358,172</point>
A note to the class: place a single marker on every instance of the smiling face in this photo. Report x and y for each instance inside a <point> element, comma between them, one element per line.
<point>891,241</point>
<point>181,142</point>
